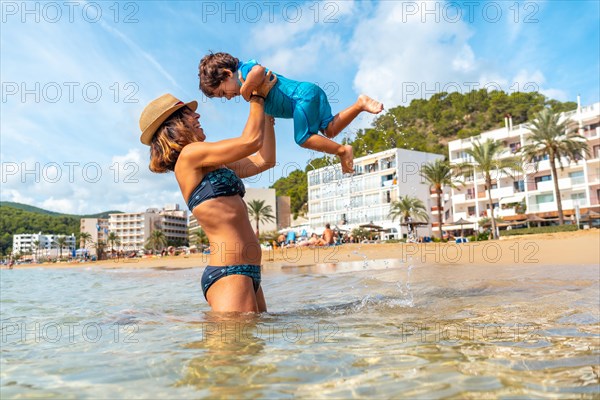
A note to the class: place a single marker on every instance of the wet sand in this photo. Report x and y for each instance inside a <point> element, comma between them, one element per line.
<point>564,248</point>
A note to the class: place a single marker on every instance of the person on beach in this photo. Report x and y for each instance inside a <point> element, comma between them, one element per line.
<point>222,75</point>
<point>209,175</point>
<point>328,236</point>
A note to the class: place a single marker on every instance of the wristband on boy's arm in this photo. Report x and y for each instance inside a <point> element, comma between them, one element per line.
<point>253,95</point>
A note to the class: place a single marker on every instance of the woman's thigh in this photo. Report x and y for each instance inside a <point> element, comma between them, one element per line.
<point>233,293</point>
<point>260,300</point>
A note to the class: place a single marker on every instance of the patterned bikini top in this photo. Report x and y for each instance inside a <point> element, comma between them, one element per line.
<point>217,183</point>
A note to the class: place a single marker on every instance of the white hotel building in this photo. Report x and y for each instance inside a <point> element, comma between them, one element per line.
<point>366,196</point>
<point>579,183</point>
<point>40,245</point>
<point>134,229</point>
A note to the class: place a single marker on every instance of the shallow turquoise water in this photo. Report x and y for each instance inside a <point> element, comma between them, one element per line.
<point>374,329</point>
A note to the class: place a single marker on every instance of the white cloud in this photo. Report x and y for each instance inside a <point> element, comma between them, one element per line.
<point>401,58</point>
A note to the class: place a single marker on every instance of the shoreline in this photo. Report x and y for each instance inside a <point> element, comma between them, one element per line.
<point>560,248</point>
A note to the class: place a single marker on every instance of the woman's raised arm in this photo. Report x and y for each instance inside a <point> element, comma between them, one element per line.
<point>202,154</point>
<point>261,161</point>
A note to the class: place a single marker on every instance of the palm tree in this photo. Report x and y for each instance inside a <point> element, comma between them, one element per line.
<point>113,240</point>
<point>487,158</point>
<point>61,241</point>
<point>36,244</point>
<point>260,213</point>
<point>157,240</point>
<point>438,174</point>
<point>200,237</point>
<point>84,237</point>
<point>408,209</point>
<point>556,140</point>
<point>100,247</point>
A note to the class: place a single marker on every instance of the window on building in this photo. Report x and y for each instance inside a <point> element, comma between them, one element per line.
<point>577,178</point>
<point>540,158</point>
<point>514,147</point>
<point>544,178</point>
<point>596,151</point>
<point>544,198</point>
<point>579,198</point>
<point>519,186</point>
<point>471,211</point>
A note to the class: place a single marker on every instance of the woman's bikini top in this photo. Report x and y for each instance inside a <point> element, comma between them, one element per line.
<point>217,183</point>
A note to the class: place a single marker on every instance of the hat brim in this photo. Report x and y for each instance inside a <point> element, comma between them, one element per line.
<point>150,131</point>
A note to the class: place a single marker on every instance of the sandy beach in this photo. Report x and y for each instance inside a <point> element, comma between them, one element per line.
<point>564,248</point>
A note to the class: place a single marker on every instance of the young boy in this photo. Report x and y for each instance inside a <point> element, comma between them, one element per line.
<point>222,75</point>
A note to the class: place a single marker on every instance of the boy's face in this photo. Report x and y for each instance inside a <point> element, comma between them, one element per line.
<point>229,88</point>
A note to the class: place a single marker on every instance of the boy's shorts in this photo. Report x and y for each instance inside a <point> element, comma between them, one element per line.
<point>312,112</point>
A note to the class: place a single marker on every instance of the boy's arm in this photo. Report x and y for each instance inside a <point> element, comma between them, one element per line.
<point>253,81</point>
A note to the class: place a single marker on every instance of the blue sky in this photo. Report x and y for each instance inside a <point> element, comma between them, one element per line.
<point>74,80</point>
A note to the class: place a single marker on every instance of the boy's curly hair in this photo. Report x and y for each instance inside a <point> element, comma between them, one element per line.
<point>211,70</point>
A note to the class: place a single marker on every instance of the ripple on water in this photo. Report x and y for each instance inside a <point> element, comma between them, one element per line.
<point>336,331</point>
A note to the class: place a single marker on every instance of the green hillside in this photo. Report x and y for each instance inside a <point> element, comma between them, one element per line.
<point>428,125</point>
<point>18,218</point>
<point>34,209</point>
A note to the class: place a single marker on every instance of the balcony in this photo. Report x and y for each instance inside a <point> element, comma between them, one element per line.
<point>542,207</point>
<point>545,186</point>
<point>570,204</point>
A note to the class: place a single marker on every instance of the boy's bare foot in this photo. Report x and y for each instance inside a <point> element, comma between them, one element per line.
<point>346,155</point>
<point>369,105</point>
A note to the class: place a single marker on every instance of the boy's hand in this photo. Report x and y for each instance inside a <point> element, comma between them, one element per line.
<point>245,90</point>
<point>266,86</point>
<point>253,80</point>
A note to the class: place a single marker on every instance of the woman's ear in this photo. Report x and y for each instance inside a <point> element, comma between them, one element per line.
<point>229,73</point>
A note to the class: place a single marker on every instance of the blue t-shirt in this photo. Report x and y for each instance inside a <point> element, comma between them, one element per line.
<point>305,102</point>
<point>280,101</point>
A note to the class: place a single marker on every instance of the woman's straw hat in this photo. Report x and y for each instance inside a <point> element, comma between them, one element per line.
<point>157,112</point>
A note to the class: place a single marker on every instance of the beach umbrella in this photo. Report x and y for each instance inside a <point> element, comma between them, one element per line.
<point>534,218</point>
<point>590,215</point>
<point>371,226</point>
<point>461,222</point>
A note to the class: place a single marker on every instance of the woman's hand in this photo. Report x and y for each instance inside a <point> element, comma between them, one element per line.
<point>267,84</point>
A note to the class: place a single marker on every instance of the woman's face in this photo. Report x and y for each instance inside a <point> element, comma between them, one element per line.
<point>229,88</point>
<point>193,120</point>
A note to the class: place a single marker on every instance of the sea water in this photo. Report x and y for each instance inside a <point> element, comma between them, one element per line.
<point>375,329</point>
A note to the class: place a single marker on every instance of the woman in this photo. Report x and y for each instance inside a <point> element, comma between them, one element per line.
<point>209,178</point>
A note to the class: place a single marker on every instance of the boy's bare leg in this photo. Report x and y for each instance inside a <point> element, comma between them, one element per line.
<point>322,144</point>
<point>345,117</point>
